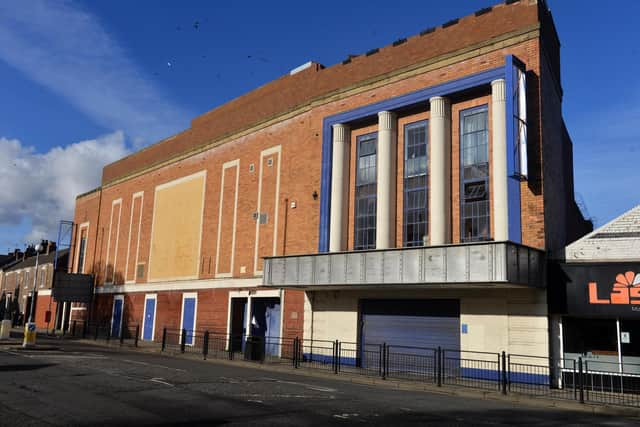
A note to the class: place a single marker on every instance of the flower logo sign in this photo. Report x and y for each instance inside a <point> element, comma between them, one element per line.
<point>626,290</point>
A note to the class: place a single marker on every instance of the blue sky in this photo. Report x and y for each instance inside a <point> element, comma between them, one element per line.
<point>84,83</point>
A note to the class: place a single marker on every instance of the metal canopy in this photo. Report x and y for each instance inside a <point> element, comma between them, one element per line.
<point>474,264</point>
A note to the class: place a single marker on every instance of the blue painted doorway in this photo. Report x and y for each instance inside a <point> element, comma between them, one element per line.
<point>116,318</point>
<point>149,318</point>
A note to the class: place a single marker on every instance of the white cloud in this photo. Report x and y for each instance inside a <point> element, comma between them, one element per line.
<point>69,51</point>
<point>43,187</point>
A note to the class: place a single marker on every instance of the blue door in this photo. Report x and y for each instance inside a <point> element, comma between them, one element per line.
<point>116,319</point>
<point>189,318</point>
<point>149,315</point>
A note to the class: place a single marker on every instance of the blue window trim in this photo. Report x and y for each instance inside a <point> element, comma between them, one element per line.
<point>513,178</point>
<point>471,111</point>
<point>359,138</point>
<point>408,127</point>
<point>391,104</point>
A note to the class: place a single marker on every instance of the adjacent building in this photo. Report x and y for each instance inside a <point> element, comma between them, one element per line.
<point>407,195</point>
<point>21,279</point>
<point>595,298</point>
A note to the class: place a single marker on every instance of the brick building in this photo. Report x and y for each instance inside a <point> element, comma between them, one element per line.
<point>405,195</point>
<point>19,279</point>
<point>595,298</point>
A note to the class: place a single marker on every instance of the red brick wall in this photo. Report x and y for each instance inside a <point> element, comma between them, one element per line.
<point>45,303</point>
<point>288,91</point>
<point>212,311</point>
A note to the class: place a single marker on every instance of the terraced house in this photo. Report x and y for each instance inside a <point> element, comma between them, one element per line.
<point>408,195</point>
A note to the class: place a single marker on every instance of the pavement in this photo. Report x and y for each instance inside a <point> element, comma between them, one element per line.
<point>73,383</point>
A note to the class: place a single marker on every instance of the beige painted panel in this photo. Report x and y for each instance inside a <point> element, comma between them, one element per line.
<point>177,228</point>
<point>335,316</point>
<point>487,323</point>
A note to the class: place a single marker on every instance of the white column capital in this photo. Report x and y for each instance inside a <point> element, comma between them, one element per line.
<point>341,132</point>
<point>498,90</point>
<point>386,120</point>
<point>440,106</point>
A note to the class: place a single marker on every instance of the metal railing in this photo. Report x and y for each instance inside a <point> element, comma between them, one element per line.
<point>585,381</point>
<point>128,334</point>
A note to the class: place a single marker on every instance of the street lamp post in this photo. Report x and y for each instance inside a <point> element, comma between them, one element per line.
<point>30,326</point>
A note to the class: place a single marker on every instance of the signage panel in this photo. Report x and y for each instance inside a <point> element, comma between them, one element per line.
<point>603,290</point>
<point>68,287</point>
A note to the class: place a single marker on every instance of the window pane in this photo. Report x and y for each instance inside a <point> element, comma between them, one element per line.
<point>415,183</point>
<point>474,175</point>
<point>366,187</point>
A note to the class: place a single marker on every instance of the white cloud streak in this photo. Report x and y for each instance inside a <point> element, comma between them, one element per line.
<point>43,187</point>
<point>69,51</point>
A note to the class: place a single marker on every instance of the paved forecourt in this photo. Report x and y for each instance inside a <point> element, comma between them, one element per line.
<point>80,384</point>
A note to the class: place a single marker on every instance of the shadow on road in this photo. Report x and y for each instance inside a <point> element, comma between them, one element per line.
<point>25,367</point>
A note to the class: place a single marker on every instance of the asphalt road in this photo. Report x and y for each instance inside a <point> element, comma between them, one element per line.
<point>81,384</point>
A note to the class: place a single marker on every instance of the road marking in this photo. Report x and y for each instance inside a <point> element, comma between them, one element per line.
<point>309,386</point>
<point>160,381</point>
<point>153,365</point>
<point>255,401</point>
<point>345,416</point>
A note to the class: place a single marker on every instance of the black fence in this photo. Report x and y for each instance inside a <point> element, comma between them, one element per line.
<point>126,335</point>
<point>580,380</point>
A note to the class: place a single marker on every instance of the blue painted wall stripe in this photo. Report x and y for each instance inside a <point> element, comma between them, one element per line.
<point>391,104</point>
<point>513,182</point>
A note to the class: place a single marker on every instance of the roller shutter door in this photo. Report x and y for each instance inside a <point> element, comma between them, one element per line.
<point>415,323</point>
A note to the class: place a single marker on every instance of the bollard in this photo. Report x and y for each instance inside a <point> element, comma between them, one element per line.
<point>384,360</point>
<point>73,329</point>
<point>581,380</point>
<point>108,333</point>
<point>334,360</point>
<point>504,373</point>
<point>84,329</point>
<point>122,336</point>
<point>164,338</point>
<point>230,347</point>
<point>95,337</point>
<point>439,376</point>
<point>296,352</point>
<point>205,345</point>
<point>135,340</point>
<point>183,341</point>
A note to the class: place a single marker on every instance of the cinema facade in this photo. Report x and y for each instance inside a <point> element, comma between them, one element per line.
<point>408,195</point>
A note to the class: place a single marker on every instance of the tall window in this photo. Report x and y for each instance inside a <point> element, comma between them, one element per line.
<point>81,250</point>
<point>366,189</point>
<point>416,180</point>
<point>474,175</point>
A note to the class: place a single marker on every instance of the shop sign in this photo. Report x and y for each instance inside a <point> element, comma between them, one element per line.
<point>611,289</point>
